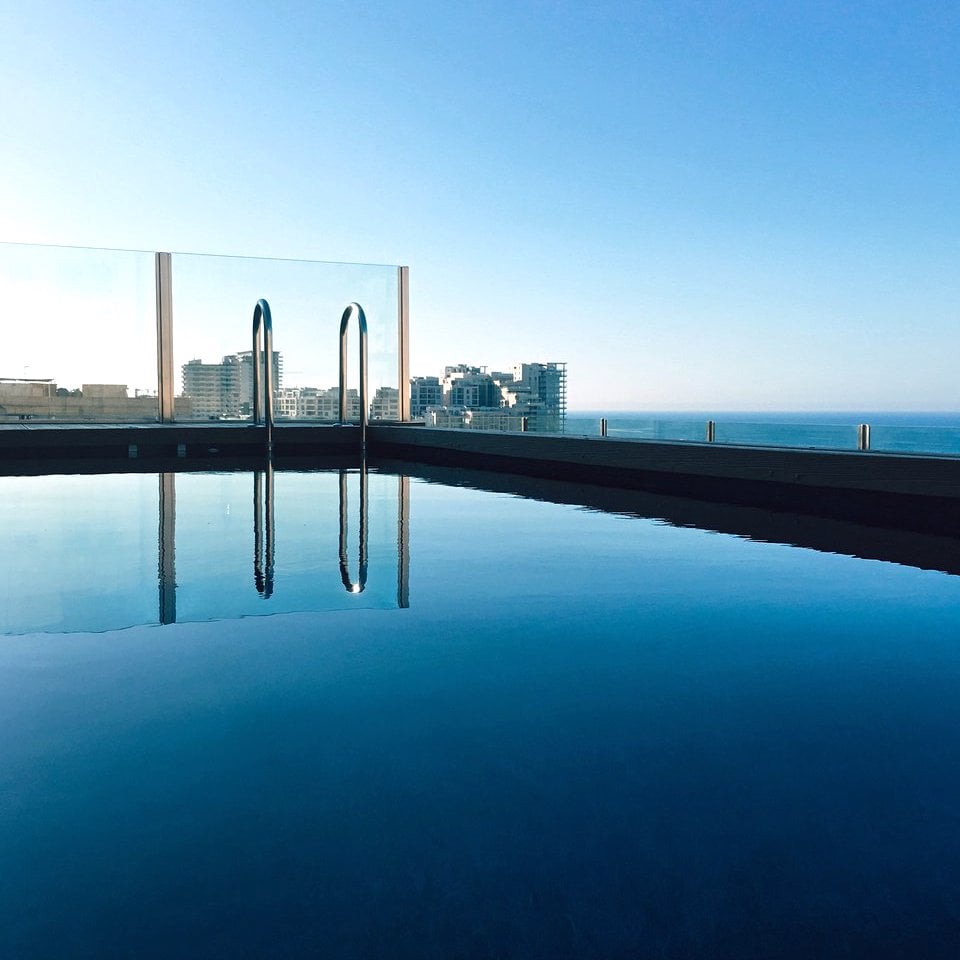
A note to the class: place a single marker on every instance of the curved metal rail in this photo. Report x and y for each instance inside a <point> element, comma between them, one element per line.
<point>354,308</point>
<point>263,326</point>
<point>349,585</point>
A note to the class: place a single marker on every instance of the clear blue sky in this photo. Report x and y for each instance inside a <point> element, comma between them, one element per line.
<point>704,205</point>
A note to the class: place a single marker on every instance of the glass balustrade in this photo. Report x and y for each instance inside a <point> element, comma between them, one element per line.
<point>820,436</point>
<point>80,343</point>
<point>889,433</point>
<point>214,299</point>
<point>85,326</point>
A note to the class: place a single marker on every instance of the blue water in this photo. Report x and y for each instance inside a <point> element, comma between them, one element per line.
<point>898,432</point>
<point>588,735</point>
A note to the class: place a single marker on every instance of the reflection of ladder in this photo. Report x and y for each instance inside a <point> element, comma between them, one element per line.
<point>361,582</point>
<point>354,308</point>
<point>263,553</point>
<point>263,324</point>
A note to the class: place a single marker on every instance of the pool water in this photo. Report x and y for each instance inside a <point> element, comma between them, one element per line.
<point>538,731</point>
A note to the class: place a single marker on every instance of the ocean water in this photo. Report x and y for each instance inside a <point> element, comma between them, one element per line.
<point>891,432</point>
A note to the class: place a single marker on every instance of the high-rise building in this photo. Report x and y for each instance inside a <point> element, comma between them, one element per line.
<point>539,390</point>
<point>386,404</point>
<point>533,396</point>
<point>245,358</point>
<point>214,388</point>
<point>225,389</point>
<point>470,387</point>
<point>424,392</point>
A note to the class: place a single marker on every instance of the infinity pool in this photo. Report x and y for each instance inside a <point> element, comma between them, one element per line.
<point>284,716</point>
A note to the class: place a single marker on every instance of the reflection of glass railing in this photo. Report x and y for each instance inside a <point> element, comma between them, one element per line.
<point>177,547</point>
<point>891,433</point>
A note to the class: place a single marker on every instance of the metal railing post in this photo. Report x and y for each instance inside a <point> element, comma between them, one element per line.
<point>711,431</point>
<point>403,333</point>
<point>863,436</point>
<point>603,426</point>
<point>163,273</point>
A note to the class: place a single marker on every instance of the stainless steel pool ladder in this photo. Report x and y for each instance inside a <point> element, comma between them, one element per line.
<point>354,308</point>
<point>263,327</point>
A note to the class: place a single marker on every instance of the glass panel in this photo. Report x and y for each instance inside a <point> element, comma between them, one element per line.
<point>627,426</point>
<point>915,438</point>
<point>68,569</point>
<point>81,343</point>
<point>826,436</point>
<point>213,303</point>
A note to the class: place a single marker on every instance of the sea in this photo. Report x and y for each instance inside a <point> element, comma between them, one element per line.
<point>935,432</point>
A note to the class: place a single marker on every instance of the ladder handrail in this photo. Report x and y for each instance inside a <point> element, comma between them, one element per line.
<point>263,323</point>
<point>354,308</point>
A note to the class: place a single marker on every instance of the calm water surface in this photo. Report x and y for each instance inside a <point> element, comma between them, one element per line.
<point>587,735</point>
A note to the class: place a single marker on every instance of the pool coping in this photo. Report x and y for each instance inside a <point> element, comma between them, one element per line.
<point>918,490</point>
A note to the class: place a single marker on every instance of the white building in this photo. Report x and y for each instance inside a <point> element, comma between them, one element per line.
<point>386,404</point>
<point>314,403</point>
<point>424,392</point>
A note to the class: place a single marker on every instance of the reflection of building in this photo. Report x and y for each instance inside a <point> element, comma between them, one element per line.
<point>43,399</point>
<point>225,389</point>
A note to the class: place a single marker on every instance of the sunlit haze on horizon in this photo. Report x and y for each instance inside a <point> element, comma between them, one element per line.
<point>736,206</point>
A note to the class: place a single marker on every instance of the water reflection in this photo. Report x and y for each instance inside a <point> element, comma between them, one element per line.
<point>263,564</point>
<point>166,539</point>
<point>361,582</point>
<point>176,547</point>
